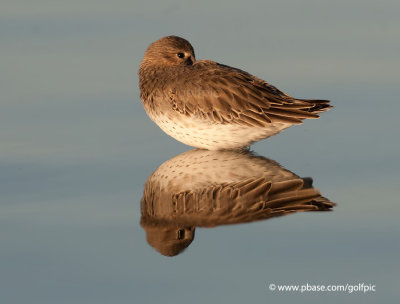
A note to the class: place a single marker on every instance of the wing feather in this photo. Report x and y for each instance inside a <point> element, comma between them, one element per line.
<point>222,94</point>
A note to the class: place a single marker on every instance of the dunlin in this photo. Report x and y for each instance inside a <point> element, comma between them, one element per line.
<point>201,188</point>
<point>213,106</point>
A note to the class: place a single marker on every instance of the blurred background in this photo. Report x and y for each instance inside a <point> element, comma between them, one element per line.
<point>76,148</point>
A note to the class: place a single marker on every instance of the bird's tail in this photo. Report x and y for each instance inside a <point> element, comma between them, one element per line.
<point>317,105</point>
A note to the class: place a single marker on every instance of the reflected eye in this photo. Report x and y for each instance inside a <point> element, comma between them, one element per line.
<point>180,55</point>
<point>181,234</point>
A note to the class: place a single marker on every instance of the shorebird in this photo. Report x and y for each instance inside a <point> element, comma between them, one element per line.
<point>201,188</point>
<point>213,106</point>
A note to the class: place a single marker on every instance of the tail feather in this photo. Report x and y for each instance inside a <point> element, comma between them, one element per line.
<point>317,105</point>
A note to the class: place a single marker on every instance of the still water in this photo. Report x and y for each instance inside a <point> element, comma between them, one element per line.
<point>98,205</point>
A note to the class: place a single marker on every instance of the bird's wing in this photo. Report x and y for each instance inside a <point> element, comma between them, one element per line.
<point>223,94</point>
<point>246,201</point>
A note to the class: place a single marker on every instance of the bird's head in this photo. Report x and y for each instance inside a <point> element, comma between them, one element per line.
<point>169,239</point>
<point>169,51</point>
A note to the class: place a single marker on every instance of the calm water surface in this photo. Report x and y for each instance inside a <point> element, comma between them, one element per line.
<point>77,149</point>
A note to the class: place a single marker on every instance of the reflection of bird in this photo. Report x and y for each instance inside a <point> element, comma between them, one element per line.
<point>210,188</point>
<point>213,106</point>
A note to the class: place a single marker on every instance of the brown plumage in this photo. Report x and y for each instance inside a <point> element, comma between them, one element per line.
<point>201,188</point>
<point>210,105</point>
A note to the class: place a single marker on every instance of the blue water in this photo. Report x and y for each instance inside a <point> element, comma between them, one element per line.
<point>77,149</point>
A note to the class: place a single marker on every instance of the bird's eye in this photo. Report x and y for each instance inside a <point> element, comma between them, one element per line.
<point>180,55</point>
<point>181,234</point>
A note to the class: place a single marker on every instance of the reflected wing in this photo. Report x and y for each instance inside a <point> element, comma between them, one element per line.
<point>247,201</point>
<point>224,94</point>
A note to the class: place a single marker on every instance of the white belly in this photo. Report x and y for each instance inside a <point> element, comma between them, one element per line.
<point>204,135</point>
